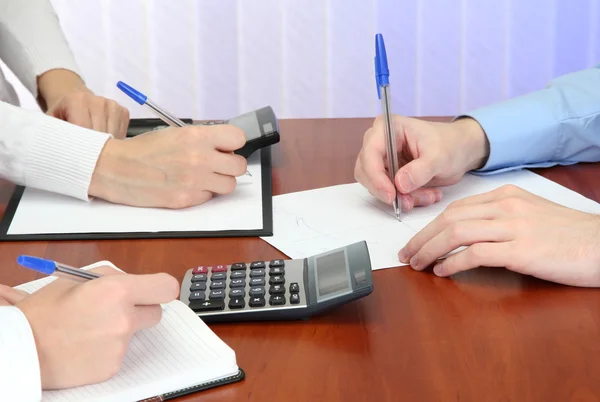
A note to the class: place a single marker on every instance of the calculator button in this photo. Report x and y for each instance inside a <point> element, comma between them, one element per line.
<point>208,305</point>
<point>276,300</point>
<point>237,292</point>
<point>219,268</point>
<point>197,296</point>
<point>238,266</point>
<point>257,291</point>
<point>198,286</point>
<point>257,282</point>
<point>257,273</point>
<point>199,278</point>
<point>295,298</point>
<point>257,302</point>
<point>217,285</point>
<point>294,288</point>
<point>237,302</point>
<point>277,290</point>
<point>238,274</point>
<point>217,294</point>
<point>277,271</point>
<point>221,276</point>
<point>276,280</point>
<point>257,264</point>
<point>237,283</point>
<point>200,270</point>
<point>276,263</point>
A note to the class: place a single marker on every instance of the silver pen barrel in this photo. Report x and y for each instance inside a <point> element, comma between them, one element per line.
<point>390,137</point>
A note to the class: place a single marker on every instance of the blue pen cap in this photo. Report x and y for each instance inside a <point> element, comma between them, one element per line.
<point>382,73</point>
<point>38,264</point>
<point>132,93</point>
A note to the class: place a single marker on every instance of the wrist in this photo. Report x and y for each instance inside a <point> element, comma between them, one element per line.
<point>105,169</point>
<point>474,142</point>
<point>54,84</point>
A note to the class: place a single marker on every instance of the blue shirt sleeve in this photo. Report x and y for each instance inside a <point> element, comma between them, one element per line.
<point>559,125</point>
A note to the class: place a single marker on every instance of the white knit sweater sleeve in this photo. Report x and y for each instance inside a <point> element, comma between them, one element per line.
<point>19,365</point>
<point>39,151</point>
<point>31,40</point>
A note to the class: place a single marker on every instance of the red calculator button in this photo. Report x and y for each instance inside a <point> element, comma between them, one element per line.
<point>219,268</point>
<point>200,270</point>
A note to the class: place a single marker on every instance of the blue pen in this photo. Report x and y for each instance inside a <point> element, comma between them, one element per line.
<point>144,101</point>
<point>382,79</point>
<point>50,267</point>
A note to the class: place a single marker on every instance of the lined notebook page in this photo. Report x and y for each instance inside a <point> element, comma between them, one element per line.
<point>181,351</point>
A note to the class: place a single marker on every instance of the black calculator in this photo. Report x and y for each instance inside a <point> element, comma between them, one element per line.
<point>260,126</point>
<point>278,289</point>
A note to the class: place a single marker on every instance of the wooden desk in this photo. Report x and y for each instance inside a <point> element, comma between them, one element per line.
<point>483,335</point>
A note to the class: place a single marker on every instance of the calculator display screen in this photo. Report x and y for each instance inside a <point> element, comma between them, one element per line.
<point>332,274</point>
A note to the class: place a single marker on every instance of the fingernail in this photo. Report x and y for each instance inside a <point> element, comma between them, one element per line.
<point>384,196</point>
<point>439,269</point>
<point>403,256</point>
<point>406,182</point>
<point>414,262</point>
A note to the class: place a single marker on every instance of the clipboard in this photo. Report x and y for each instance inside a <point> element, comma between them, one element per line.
<point>264,154</point>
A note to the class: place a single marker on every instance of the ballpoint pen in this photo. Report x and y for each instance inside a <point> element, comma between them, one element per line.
<point>143,100</point>
<point>382,79</point>
<point>50,267</point>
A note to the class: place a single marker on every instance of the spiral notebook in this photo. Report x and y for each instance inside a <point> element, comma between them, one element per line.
<point>179,356</point>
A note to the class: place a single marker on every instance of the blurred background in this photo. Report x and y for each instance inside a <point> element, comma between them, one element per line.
<point>314,58</point>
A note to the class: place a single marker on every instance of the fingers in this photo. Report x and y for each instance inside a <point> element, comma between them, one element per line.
<point>117,119</point>
<point>225,137</point>
<point>463,233</point>
<point>416,174</point>
<point>370,169</point>
<point>146,316</point>
<point>11,296</point>
<point>421,197</point>
<point>74,110</point>
<point>229,164</point>
<point>220,184</point>
<point>98,110</point>
<point>447,218</point>
<point>477,255</point>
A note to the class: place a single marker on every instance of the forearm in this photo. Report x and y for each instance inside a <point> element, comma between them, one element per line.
<point>557,125</point>
<point>42,152</point>
<point>31,41</point>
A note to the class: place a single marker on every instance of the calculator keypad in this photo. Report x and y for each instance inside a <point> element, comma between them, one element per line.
<point>254,286</point>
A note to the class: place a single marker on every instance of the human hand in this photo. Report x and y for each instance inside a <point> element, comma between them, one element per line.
<point>171,168</point>
<point>64,96</point>
<point>10,296</point>
<point>82,330</point>
<point>510,227</point>
<point>429,154</point>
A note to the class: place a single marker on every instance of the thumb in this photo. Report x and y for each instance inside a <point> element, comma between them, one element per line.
<point>415,174</point>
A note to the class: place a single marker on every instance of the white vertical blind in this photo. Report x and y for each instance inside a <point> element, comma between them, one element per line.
<point>314,58</point>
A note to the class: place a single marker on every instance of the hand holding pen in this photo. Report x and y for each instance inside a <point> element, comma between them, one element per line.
<point>143,100</point>
<point>82,330</point>
<point>403,159</point>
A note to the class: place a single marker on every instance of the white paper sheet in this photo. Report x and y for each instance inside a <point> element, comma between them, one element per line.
<point>43,212</point>
<point>311,222</point>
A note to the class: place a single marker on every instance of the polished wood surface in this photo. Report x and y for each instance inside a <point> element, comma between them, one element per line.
<point>483,335</point>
